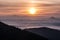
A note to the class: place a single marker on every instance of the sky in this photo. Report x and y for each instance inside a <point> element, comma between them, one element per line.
<point>53,1</point>
<point>10,6</point>
<point>14,7</point>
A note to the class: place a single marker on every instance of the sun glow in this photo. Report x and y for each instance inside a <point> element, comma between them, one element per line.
<point>32,10</point>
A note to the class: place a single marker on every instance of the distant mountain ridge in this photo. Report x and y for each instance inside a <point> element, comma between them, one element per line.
<point>8,32</point>
<point>51,34</point>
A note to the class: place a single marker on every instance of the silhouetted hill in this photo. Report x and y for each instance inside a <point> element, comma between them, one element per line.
<point>8,32</point>
<point>50,34</point>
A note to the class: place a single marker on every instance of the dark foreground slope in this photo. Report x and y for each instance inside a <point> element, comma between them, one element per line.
<point>11,33</point>
<point>50,34</point>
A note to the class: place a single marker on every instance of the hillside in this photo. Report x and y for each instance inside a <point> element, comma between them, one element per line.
<point>8,32</point>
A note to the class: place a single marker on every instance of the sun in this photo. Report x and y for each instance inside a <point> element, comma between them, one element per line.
<point>32,10</point>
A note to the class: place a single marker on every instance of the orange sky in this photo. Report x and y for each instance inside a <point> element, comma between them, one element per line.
<point>19,8</point>
<point>54,1</point>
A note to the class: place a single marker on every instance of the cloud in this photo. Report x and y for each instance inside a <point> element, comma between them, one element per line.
<point>22,1</point>
<point>11,8</point>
